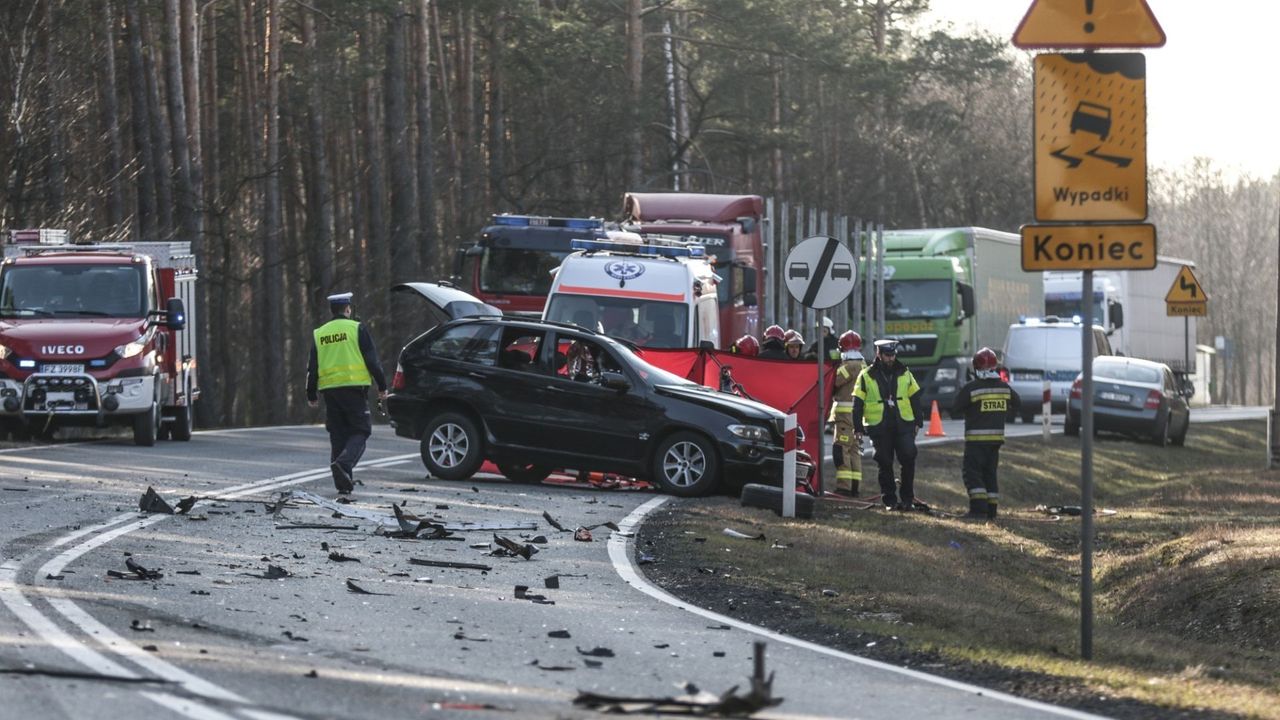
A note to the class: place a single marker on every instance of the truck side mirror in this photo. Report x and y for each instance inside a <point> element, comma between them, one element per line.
<point>1117,314</point>
<point>175,314</point>
<point>967,302</point>
<point>748,224</point>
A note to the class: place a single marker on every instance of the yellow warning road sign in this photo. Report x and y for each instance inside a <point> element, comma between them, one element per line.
<point>1090,137</point>
<point>1199,309</point>
<point>1088,247</point>
<point>1186,288</point>
<point>1088,24</point>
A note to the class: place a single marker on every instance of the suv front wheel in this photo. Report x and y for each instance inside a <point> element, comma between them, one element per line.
<point>686,465</point>
<point>452,447</point>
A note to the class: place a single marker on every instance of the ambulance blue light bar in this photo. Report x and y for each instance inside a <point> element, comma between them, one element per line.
<point>655,250</point>
<point>537,221</point>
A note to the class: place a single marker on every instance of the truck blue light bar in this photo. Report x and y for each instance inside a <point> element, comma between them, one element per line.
<point>538,221</point>
<point>651,249</point>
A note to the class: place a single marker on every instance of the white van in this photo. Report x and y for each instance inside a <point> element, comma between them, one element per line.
<point>657,293</point>
<point>1036,350</point>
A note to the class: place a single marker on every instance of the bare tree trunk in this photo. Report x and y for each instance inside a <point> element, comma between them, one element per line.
<point>212,361</point>
<point>111,121</point>
<point>273,255</point>
<point>319,232</point>
<point>450,127</point>
<point>139,119</point>
<point>404,211</point>
<point>426,144</point>
<point>467,113</point>
<point>775,118</point>
<point>161,142</point>
<point>187,203</point>
<point>191,85</point>
<point>379,264</point>
<point>635,84</point>
<point>497,126</point>
<point>55,157</point>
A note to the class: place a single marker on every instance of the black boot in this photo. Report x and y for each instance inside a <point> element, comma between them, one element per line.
<point>991,509</point>
<point>980,509</point>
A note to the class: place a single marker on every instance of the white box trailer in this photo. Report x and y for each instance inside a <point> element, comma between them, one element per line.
<point>1130,305</point>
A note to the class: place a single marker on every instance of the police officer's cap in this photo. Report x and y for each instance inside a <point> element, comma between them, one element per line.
<point>887,346</point>
<point>340,298</point>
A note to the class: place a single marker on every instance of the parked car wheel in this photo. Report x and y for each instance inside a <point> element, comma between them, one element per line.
<point>1070,427</point>
<point>768,497</point>
<point>451,447</point>
<point>686,465</point>
<point>1161,436</point>
<point>524,472</point>
<point>1181,438</point>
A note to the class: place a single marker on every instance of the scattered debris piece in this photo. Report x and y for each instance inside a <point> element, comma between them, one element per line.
<point>645,559</point>
<point>442,507</point>
<point>551,583</point>
<point>514,548</point>
<point>186,503</point>
<point>187,572</point>
<point>592,663</point>
<point>778,546</point>
<point>520,591</point>
<point>354,588</point>
<point>296,638</point>
<point>662,646</point>
<point>481,546</point>
<point>596,652</point>
<point>552,668</point>
<point>136,572</point>
<point>78,675</point>
<point>694,702</point>
<point>719,627</point>
<point>151,502</point>
<point>552,521</point>
<point>51,576</point>
<point>199,592</point>
<point>741,535</point>
<point>463,636</point>
<point>139,626</point>
<point>274,572</point>
<point>582,535</point>
<point>560,634</point>
<point>312,674</point>
<point>611,525</point>
<point>718,653</point>
<point>339,557</point>
<point>827,592</point>
<point>151,648</point>
<point>450,564</point>
<point>316,526</point>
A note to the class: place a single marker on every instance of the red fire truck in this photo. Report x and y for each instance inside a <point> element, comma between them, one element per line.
<point>97,335</point>
<point>729,227</point>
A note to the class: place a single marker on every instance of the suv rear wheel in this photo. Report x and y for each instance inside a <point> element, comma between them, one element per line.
<point>451,447</point>
<point>686,465</point>
<point>524,472</point>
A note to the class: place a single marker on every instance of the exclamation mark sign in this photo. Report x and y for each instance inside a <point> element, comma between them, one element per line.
<point>1088,10</point>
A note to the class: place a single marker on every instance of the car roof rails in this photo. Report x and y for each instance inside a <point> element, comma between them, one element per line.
<point>568,325</point>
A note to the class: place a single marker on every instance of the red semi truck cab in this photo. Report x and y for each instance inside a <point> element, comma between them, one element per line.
<point>97,335</point>
<point>729,227</point>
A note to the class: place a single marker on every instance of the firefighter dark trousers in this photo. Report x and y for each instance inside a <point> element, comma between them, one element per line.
<point>847,454</point>
<point>979,472</point>
<point>346,417</point>
<point>895,439</point>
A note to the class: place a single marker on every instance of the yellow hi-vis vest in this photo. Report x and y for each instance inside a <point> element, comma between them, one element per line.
<point>339,362</point>
<point>873,405</point>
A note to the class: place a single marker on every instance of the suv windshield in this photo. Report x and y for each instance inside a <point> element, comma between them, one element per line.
<point>905,299</point>
<point>646,323</point>
<point>73,290</point>
<point>518,272</point>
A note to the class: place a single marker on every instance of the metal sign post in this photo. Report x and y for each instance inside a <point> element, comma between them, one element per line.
<point>818,462</point>
<point>1086,471</point>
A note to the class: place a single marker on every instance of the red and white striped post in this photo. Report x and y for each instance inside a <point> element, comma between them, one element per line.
<point>789,467</point>
<point>1046,407</point>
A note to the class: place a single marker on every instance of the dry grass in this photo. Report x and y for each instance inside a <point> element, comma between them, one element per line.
<point>1187,572</point>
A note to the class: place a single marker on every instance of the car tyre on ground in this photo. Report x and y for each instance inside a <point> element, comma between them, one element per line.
<point>686,465</point>
<point>1181,438</point>
<point>524,472</point>
<point>1070,427</point>
<point>452,447</point>
<point>1161,436</point>
<point>768,497</point>
<point>146,426</point>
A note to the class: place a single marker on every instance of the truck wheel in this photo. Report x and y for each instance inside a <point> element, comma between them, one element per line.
<point>768,497</point>
<point>452,447</point>
<point>181,427</point>
<point>686,465</point>
<point>146,426</point>
<point>524,472</point>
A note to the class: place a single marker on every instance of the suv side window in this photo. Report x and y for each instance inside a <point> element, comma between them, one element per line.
<point>469,343</point>
<point>521,349</point>
<point>582,360</point>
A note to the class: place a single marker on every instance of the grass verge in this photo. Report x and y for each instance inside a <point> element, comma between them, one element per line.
<point>1187,575</point>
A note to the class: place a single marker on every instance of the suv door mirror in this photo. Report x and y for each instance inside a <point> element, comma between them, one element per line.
<point>614,380</point>
<point>175,314</point>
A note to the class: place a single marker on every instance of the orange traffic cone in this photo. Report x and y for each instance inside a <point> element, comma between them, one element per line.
<point>935,423</point>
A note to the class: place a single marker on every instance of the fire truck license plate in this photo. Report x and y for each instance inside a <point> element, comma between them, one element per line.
<point>62,369</point>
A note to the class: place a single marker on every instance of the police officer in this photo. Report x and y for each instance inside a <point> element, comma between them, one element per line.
<point>886,401</point>
<point>847,449</point>
<point>985,403</point>
<point>772,347</point>
<point>342,364</point>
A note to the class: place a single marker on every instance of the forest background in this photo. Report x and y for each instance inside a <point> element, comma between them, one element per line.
<point>311,146</point>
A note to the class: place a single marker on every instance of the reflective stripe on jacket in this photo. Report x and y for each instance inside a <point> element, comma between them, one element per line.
<point>986,403</point>
<point>846,375</point>
<point>339,362</point>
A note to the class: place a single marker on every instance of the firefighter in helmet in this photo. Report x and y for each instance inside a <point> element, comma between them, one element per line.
<point>984,403</point>
<point>772,346</point>
<point>847,449</point>
<point>793,344</point>
<point>826,346</point>
<point>886,400</point>
<point>746,345</point>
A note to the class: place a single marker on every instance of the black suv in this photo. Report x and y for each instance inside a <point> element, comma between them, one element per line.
<point>533,396</point>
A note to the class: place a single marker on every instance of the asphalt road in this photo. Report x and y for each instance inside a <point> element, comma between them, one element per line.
<point>214,640</point>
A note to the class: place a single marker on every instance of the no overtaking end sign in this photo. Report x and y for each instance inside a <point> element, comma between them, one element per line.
<point>820,272</point>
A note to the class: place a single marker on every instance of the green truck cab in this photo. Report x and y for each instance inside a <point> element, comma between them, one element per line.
<point>949,292</point>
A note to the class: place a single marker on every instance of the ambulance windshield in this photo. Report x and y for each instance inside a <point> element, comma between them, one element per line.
<point>647,323</point>
<point>66,290</point>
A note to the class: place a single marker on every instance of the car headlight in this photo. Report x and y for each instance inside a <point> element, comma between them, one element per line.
<point>131,349</point>
<point>945,374</point>
<point>751,432</point>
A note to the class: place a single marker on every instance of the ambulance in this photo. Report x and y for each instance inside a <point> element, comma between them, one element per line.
<point>652,291</point>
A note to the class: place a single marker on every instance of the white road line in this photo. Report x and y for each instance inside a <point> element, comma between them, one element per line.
<point>619,555</point>
<point>80,651</point>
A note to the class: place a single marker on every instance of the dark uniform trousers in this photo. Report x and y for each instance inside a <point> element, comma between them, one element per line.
<point>979,469</point>
<point>895,438</point>
<point>346,417</point>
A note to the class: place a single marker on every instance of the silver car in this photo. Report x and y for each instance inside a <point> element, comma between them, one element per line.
<point>1136,397</point>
